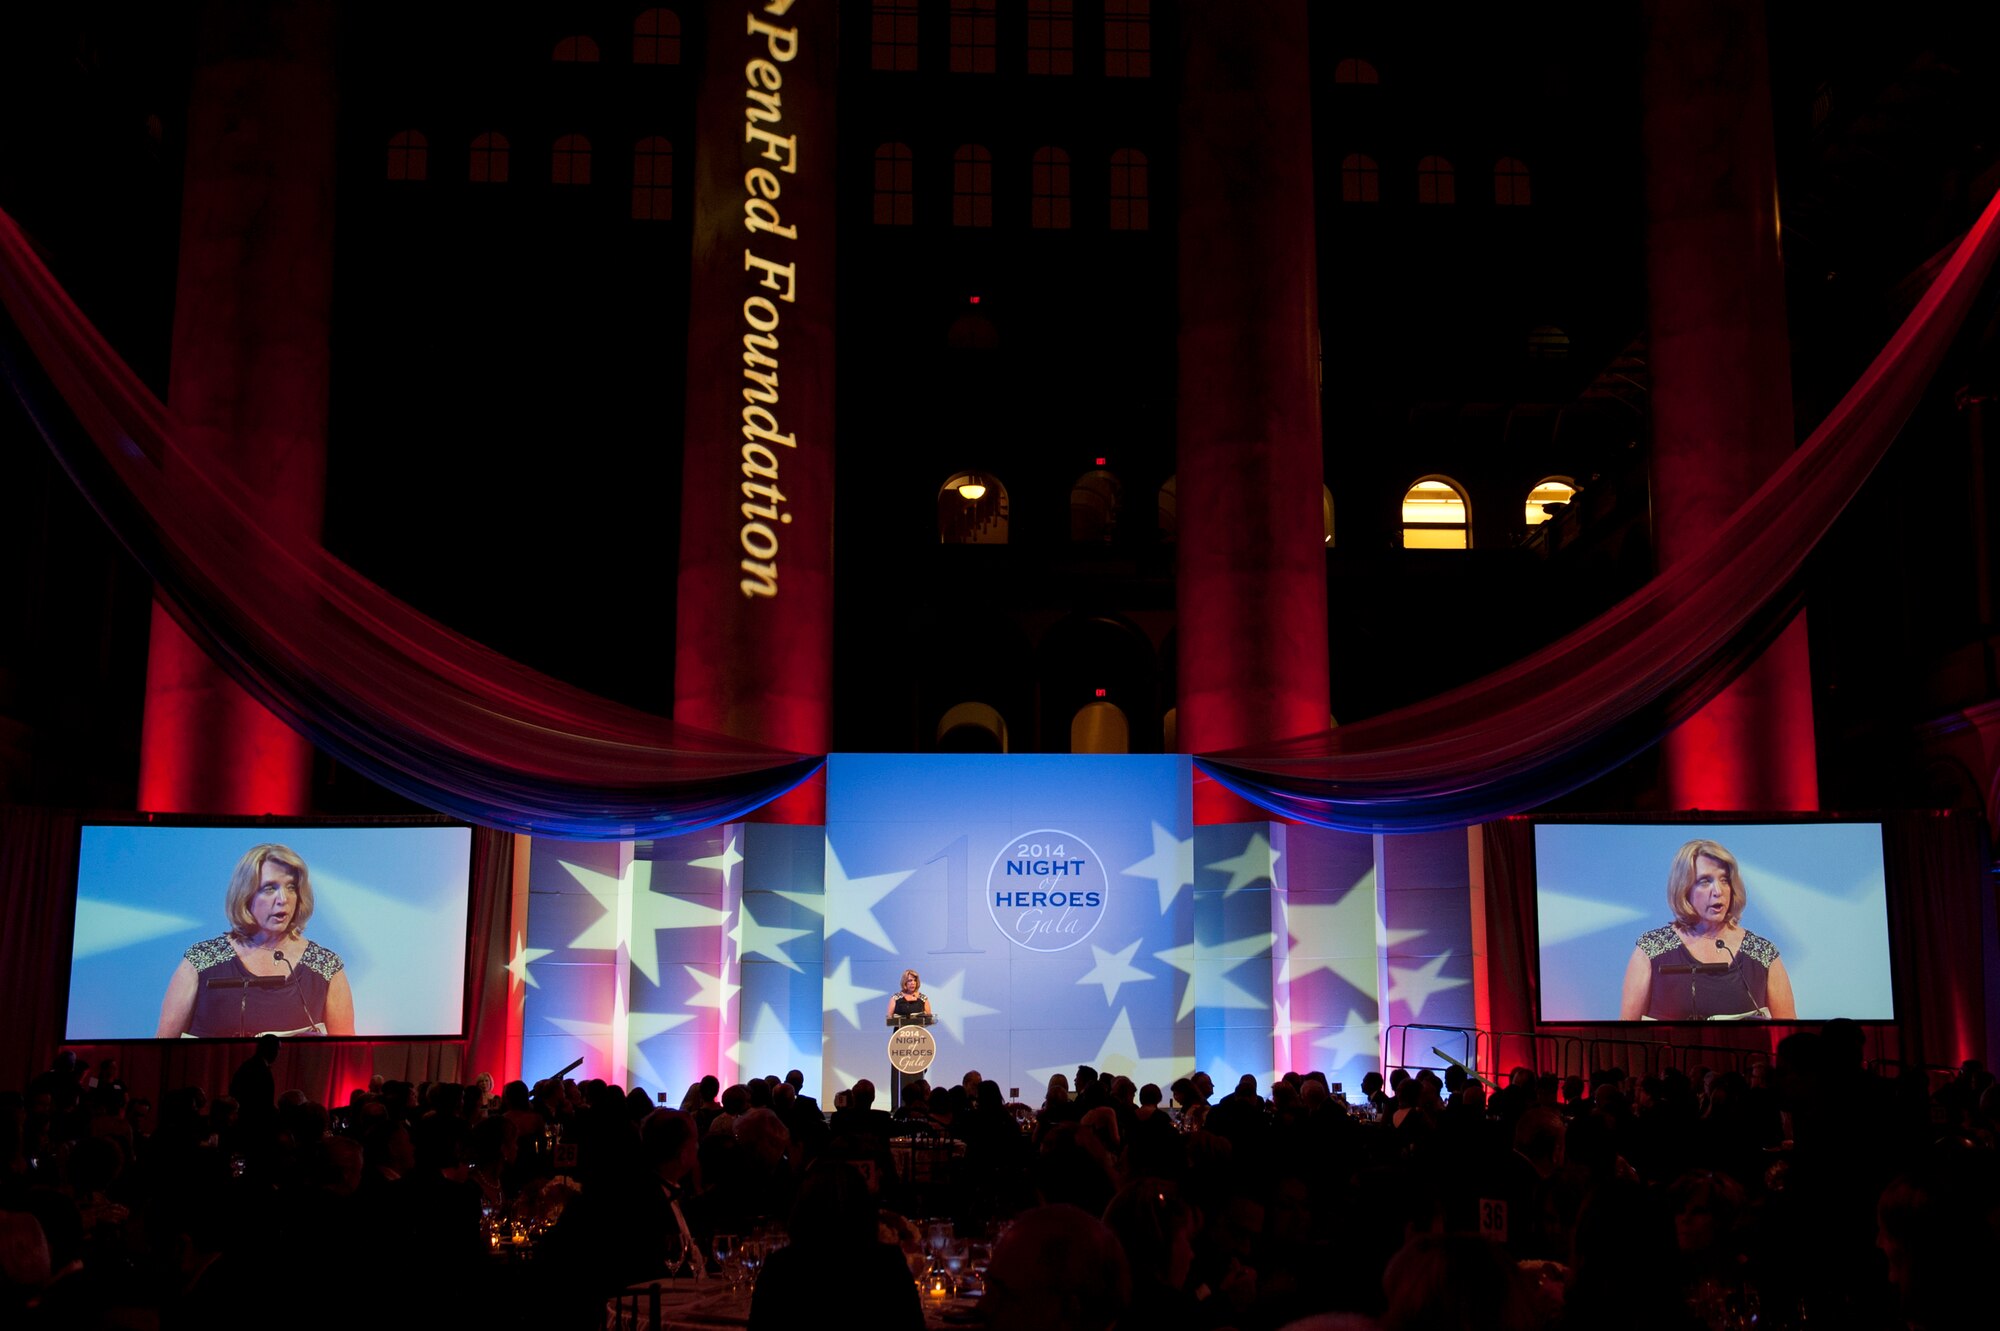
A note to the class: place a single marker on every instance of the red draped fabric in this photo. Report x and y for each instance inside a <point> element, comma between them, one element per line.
<point>1578,707</point>
<point>37,879</point>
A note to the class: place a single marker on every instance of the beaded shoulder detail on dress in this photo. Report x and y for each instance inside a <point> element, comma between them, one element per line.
<point>210,952</point>
<point>1656,941</point>
<point>323,960</point>
<point>1761,950</point>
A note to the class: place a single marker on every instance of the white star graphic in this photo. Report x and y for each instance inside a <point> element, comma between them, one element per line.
<point>850,902</point>
<point>1282,1026</point>
<point>727,860</point>
<point>651,912</point>
<point>1563,917</point>
<point>812,901</point>
<point>1835,958</point>
<point>1257,863</point>
<point>953,1008</point>
<point>839,993</point>
<point>106,926</point>
<point>1114,969</point>
<point>710,990</point>
<point>1357,1038</point>
<point>1171,865</point>
<point>1345,937</point>
<point>1119,1056</point>
<point>1207,966</point>
<point>754,939</point>
<point>770,1046</point>
<point>596,1036</point>
<point>1414,987</point>
<point>523,954</point>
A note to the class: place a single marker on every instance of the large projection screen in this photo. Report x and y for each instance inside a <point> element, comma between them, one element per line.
<point>1815,890</point>
<point>390,902</point>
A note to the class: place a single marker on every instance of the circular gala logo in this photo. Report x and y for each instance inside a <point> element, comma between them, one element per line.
<point>1046,890</point>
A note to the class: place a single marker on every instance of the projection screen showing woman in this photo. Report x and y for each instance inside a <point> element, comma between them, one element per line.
<point>264,975</point>
<point>1705,966</point>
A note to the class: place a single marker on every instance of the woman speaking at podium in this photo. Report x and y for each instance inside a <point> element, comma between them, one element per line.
<point>911,1001</point>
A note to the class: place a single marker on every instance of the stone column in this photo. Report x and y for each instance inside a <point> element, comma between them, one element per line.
<point>1721,372</point>
<point>754,623</point>
<point>1251,591</point>
<point>249,369</point>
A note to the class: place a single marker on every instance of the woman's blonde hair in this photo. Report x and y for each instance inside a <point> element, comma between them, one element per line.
<point>244,882</point>
<point>1680,877</point>
<point>909,975</point>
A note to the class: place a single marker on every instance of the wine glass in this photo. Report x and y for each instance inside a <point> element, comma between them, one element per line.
<point>750,1256</point>
<point>725,1256</point>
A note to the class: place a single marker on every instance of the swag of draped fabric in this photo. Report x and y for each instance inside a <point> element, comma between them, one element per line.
<point>392,693</point>
<point>1589,701</point>
<point>462,729</point>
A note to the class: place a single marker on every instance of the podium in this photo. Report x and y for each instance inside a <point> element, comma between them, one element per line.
<point>912,1049</point>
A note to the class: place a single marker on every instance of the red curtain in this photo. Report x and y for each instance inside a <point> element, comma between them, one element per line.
<point>37,895</point>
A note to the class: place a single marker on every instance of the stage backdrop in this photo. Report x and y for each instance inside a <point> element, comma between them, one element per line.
<point>1060,908</point>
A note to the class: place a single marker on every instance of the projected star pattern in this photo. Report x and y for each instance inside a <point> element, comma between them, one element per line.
<point>1239,949</point>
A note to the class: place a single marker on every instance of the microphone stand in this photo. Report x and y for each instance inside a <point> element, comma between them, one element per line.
<point>311,1025</point>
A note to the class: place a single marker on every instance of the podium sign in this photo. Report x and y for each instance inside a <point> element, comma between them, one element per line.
<point>911,1050</point>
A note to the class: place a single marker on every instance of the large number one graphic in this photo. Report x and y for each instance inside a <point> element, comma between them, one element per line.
<point>957,901</point>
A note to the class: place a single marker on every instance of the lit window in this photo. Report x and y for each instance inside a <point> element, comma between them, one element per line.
<point>569,164</point>
<point>1100,727</point>
<point>576,51</point>
<point>1510,183</point>
<point>972,510</point>
<point>1548,498</point>
<point>653,180</point>
<point>892,35</point>
<point>1352,70</point>
<point>1435,516</point>
<point>1548,343</point>
<point>972,37</point>
<point>1434,181</point>
<point>895,196</point>
<point>971,186</point>
<point>1093,508</point>
<point>1051,37</point>
<point>972,727</point>
<point>489,160</point>
<point>409,155</point>
<point>1128,39</point>
<point>1360,180</point>
<point>656,38</point>
<point>1128,190</point>
<point>1050,207</point>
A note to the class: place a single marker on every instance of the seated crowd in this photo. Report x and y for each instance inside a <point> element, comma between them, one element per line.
<point>1809,1191</point>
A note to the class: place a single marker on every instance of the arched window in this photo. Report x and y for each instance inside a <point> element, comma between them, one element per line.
<point>1051,37</point>
<point>1093,508</point>
<point>972,510</point>
<point>489,160</point>
<point>1436,516</point>
<point>895,191</point>
<point>1434,181</point>
<point>653,180</point>
<point>1167,518</point>
<point>1548,498</point>
<point>1100,727</point>
<point>569,164</point>
<point>1548,343</point>
<point>409,155</point>
<point>1352,70</point>
<point>972,37</point>
<point>576,51</point>
<point>1510,183</point>
<point>1360,179</point>
<point>971,186</point>
<point>971,727</point>
<point>1049,209</point>
<point>892,35</point>
<point>1128,39</point>
<point>1129,210</point>
<point>656,38</point>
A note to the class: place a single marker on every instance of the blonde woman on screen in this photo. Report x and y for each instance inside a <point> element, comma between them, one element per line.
<point>1705,966</point>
